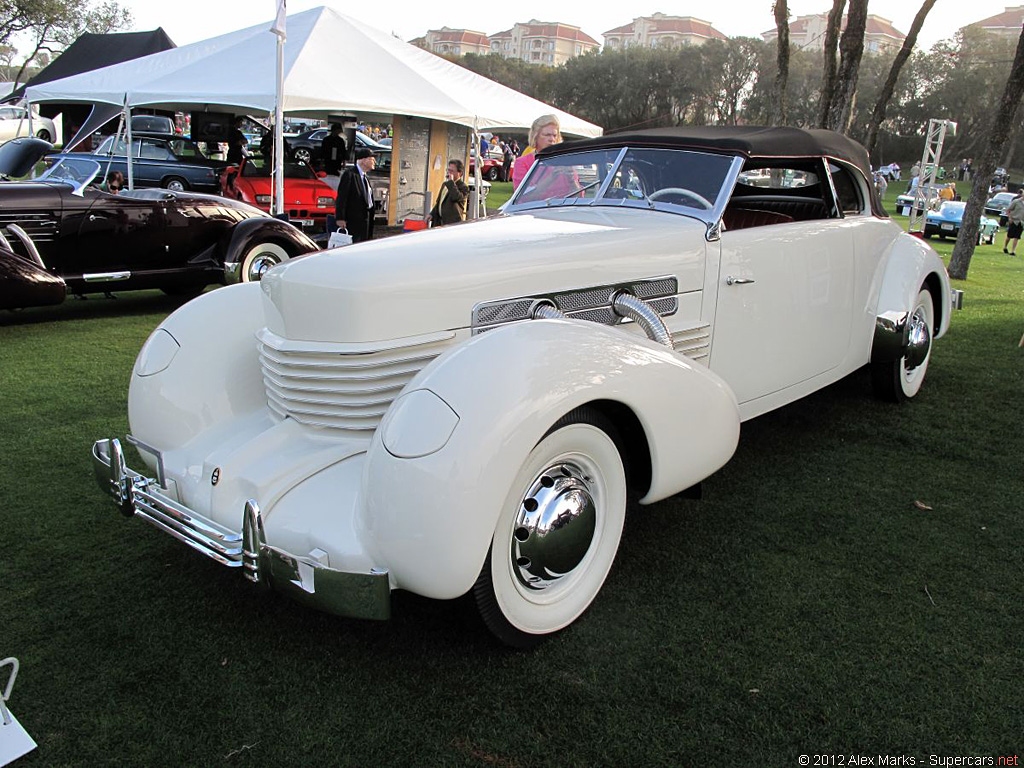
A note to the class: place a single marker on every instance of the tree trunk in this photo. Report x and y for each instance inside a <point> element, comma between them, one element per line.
<point>851,47</point>
<point>782,58</point>
<point>828,77</point>
<point>878,114</point>
<point>1011,145</point>
<point>982,173</point>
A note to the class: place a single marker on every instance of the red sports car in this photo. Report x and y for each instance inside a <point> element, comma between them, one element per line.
<point>490,170</point>
<point>307,199</point>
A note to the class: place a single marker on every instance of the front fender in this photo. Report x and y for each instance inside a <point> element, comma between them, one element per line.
<point>24,284</point>
<point>200,367</point>
<point>473,415</point>
<point>911,264</point>
<point>262,229</point>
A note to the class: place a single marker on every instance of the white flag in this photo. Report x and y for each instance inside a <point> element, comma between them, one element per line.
<point>278,26</point>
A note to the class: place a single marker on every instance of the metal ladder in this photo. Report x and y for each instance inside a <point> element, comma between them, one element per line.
<point>936,135</point>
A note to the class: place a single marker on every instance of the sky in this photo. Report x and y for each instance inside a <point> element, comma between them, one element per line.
<point>188,21</point>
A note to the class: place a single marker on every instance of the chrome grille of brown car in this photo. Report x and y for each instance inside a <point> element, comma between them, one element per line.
<point>41,227</point>
<point>341,386</point>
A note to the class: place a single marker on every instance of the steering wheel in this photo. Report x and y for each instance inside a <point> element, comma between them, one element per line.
<point>688,194</point>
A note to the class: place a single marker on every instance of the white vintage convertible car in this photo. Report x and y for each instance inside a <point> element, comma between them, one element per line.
<point>467,409</point>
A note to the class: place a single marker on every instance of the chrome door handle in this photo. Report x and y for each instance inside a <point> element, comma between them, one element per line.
<point>730,280</point>
<point>92,217</point>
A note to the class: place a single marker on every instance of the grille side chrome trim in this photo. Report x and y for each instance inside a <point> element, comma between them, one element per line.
<point>593,303</point>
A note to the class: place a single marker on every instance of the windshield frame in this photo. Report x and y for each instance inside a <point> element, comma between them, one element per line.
<point>709,217</point>
<point>78,187</point>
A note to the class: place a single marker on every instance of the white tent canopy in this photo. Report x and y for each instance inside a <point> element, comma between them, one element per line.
<point>332,64</point>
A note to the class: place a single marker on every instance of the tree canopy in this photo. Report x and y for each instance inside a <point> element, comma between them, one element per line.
<point>50,26</point>
<point>736,81</point>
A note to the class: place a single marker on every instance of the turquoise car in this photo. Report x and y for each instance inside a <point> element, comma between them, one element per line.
<point>946,222</point>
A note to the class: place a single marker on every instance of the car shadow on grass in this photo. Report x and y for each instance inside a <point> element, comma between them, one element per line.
<point>95,306</point>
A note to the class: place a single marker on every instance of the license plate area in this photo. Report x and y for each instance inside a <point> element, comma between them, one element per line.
<point>949,227</point>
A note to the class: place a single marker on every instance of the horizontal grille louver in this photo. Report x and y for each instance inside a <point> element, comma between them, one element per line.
<point>695,343</point>
<point>42,228</point>
<point>340,389</point>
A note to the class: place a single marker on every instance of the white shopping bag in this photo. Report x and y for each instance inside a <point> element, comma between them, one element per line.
<point>339,238</point>
<point>14,739</point>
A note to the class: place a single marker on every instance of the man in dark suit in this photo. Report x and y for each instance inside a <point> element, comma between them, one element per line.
<point>451,200</point>
<point>333,149</point>
<point>354,207</point>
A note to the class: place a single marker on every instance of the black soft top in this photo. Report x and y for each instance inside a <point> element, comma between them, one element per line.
<point>749,141</point>
<point>744,140</point>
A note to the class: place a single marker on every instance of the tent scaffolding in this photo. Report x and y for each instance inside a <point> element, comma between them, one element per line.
<point>236,72</point>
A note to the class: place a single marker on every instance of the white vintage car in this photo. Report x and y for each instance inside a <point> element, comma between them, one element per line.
<point>468,408</point>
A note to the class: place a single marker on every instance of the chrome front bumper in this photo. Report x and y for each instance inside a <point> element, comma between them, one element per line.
<point>345,593</point>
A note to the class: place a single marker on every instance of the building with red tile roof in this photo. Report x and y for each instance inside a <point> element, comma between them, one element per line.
<point>542,42</point>
<point>807,33</point>
<point>1006,24</point>
<point>659,30</point>
<point>454,42</point>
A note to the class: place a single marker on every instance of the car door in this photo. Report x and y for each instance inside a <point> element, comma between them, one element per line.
<point>785,284</point>
<point>155,161</point>
<point>8,123</point>
<point>118,234</point>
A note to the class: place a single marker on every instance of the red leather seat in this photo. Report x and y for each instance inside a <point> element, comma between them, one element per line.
<point>742,218</point>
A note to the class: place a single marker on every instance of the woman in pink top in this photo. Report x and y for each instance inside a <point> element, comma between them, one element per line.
<point>544,132</point>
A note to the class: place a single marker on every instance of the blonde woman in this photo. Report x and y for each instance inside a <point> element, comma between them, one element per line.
<point>544,132</point>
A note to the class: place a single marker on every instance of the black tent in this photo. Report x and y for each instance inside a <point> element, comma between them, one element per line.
<point>92,51</point>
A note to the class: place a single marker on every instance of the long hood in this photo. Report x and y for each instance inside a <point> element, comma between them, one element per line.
<point>430,281</point>
<point>296,191</point>
<point>25,195</point>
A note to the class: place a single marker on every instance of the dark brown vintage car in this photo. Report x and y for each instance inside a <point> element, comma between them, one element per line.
<point>70,236</point>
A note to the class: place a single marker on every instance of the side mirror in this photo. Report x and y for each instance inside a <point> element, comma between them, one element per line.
<point>321,174</point>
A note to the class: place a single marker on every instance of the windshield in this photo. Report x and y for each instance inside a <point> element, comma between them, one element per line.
<point>151,149</point>
<point>666,179</point>
<point>260,169</point>
<point>78,172</point>
<point>952,208</point>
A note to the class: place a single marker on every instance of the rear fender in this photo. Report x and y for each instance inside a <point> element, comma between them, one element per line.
<point>247,233</point>
<point>469,419</point>
<point>912,264</point>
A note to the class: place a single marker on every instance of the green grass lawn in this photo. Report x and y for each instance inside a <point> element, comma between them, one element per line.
<point>807,605</point>
<point>500,192</point>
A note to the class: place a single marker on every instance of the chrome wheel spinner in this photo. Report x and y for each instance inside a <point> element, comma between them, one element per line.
<point>555,526</point>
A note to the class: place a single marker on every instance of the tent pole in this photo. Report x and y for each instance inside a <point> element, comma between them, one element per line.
<point>113,149</point>
<point>279,132</point>
<point>32,132</point>
<point>477,198</point>
<point>128,137</point>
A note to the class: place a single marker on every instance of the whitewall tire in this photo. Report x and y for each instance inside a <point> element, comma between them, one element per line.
<point>557,534</point>
<point>900,380</point>
<point>259,258</point>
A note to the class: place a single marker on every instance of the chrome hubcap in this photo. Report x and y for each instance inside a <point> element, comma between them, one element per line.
<point>555,526</point>
<point>919,340</point>
<point>260,264</point>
